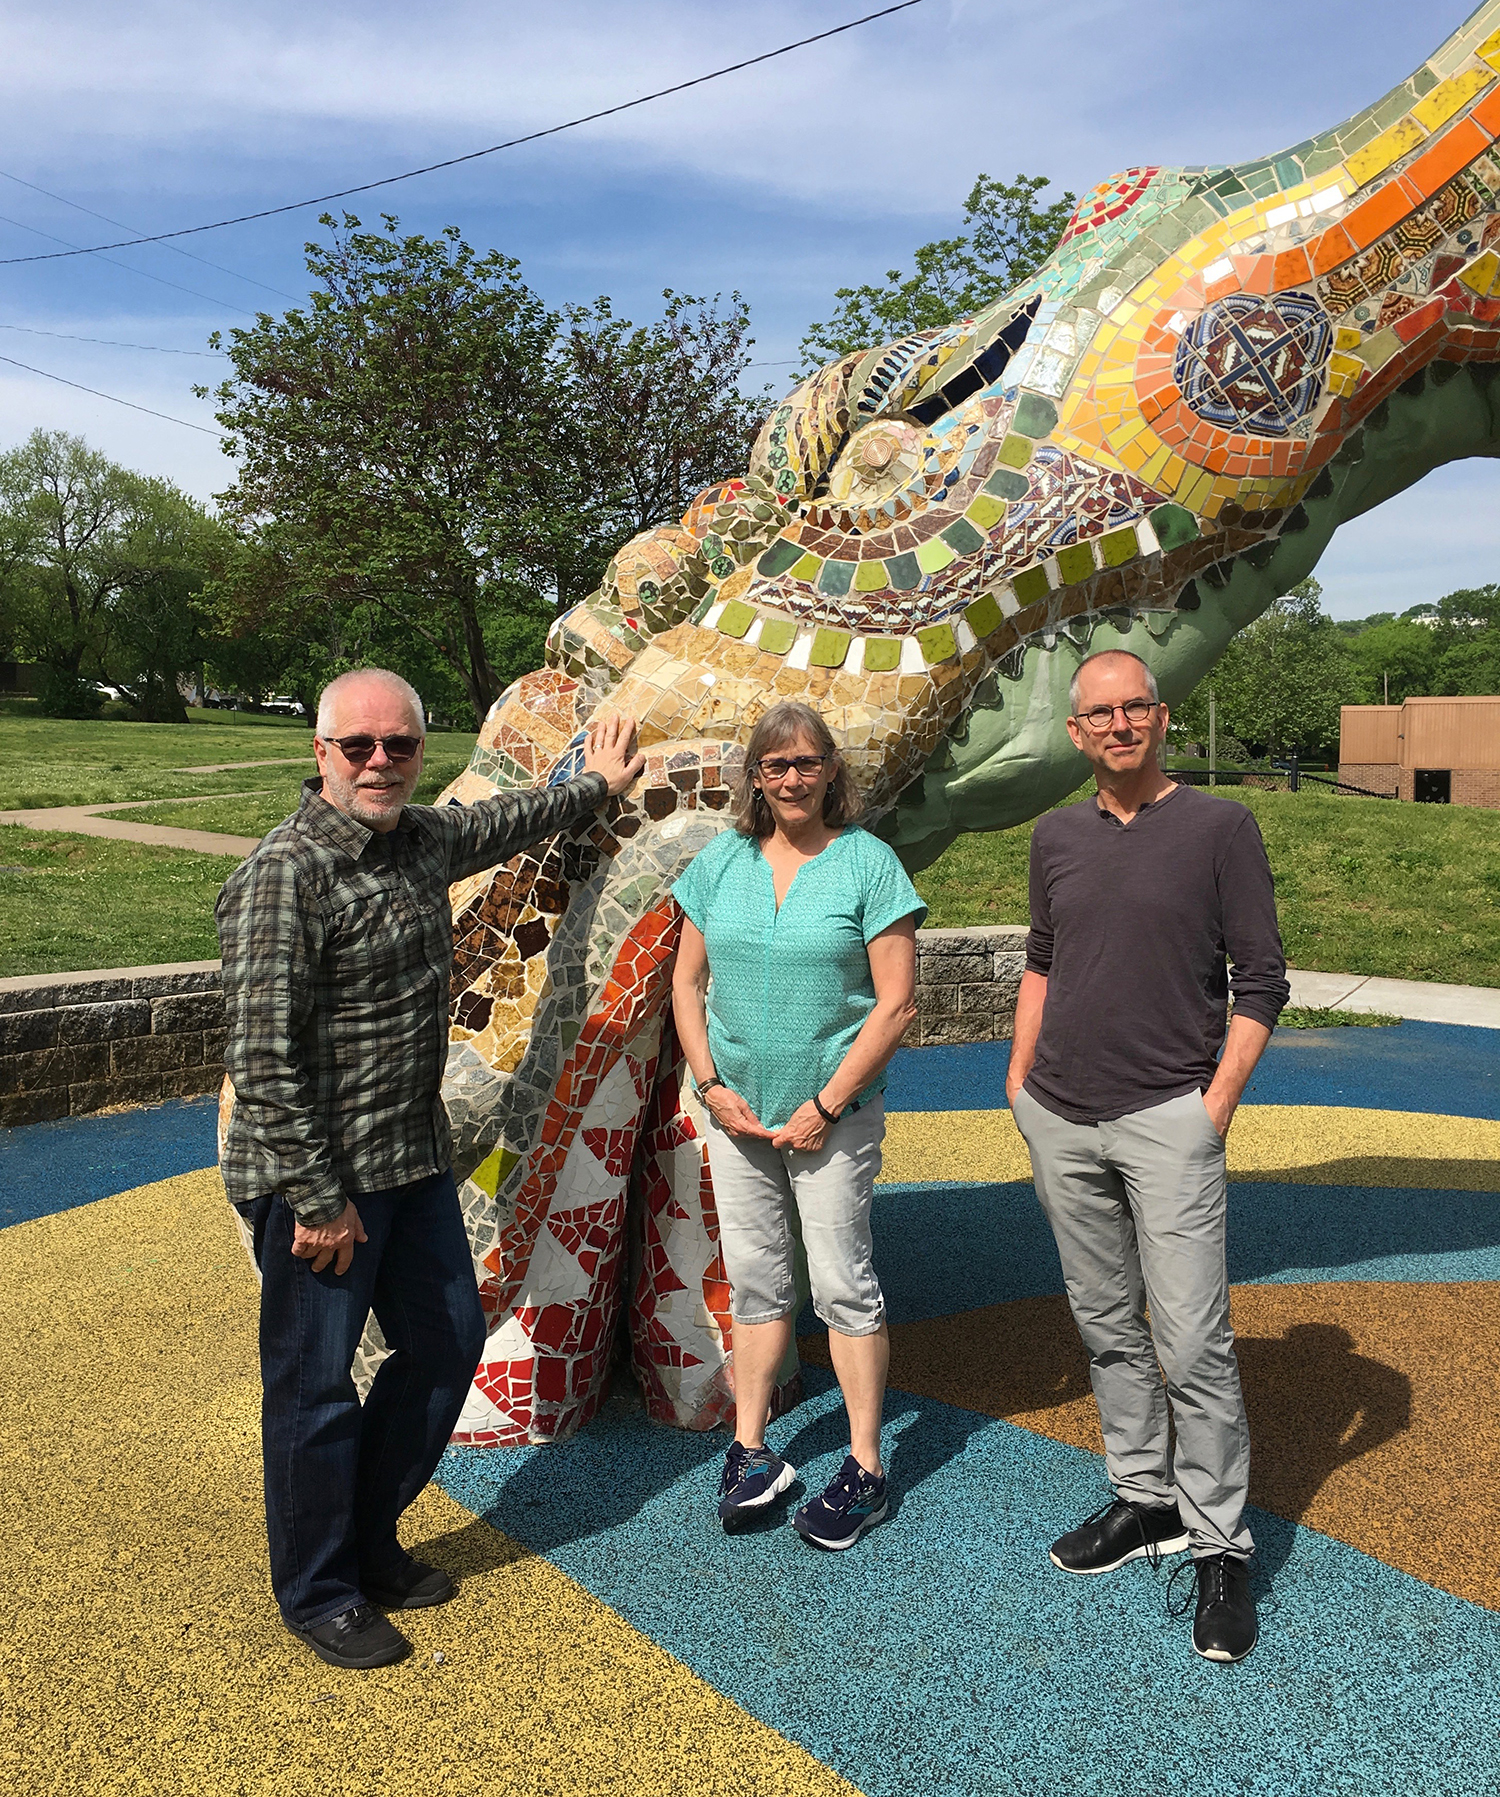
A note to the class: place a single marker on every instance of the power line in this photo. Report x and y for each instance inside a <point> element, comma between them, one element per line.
<point>589,118</point>
<point>62,200</point>
<point>207,430</point>
<point>145,274</point>
<point>110,343</point>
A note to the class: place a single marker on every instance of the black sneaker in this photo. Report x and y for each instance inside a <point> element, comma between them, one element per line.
<point>751,1478</point>
<point>1119,1532</point>
<point>414,1587</point>
<point>358,1639</point>
<point>1224,1625</point>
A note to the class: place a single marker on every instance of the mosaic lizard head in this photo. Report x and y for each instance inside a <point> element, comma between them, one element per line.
<point>1141,446</point>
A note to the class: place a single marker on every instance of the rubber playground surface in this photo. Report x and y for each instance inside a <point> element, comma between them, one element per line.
<point>610,1638</point>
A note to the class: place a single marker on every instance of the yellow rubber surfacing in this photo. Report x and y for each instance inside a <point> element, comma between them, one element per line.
<point>1304,1144</point>
<point>143,1653</point>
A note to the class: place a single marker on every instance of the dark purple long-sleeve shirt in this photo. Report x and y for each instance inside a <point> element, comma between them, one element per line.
<point>1131,926</point>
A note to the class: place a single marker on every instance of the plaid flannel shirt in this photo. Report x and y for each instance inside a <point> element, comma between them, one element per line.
<point>337,946</point>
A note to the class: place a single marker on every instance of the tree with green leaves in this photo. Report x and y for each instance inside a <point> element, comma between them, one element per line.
<point>400,447</point>
<point>1008,235</point>
<point>1393,660</point>
<point>657,415</point>
<point>1280,684</point>
<point>1466,636</point>
<point>432,461</point>
<point>100,569</point>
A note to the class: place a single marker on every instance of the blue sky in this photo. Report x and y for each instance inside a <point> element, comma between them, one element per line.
<point>786,181</point>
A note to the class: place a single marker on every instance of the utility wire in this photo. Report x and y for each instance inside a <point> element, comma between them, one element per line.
<point>121,225</point>
<point>589,118</point>
<point>145,274</point>
<point>110,343</point>
<point>207,430</point>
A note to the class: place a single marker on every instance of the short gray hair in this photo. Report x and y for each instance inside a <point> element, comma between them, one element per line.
<point>329,697</point>
<point>1111,655</point>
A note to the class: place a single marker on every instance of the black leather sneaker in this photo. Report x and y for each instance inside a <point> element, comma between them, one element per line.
<point>415,1587</point>
<point>1119,1532</point>
<point>358,1639</point>
<point>1224,1625</point>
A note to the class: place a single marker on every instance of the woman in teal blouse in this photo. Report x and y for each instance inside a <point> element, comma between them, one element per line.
<point>795,982</point>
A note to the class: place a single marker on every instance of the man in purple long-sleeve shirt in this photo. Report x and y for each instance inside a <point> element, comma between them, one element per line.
<point>1123,1082</point>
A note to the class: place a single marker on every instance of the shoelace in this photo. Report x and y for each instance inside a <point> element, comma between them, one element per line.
<point>1208,1575</point>
<point>1152,1550</point>
<point>848,1489</point>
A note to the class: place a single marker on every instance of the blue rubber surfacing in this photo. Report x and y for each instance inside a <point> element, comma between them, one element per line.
<point>946,1654</point>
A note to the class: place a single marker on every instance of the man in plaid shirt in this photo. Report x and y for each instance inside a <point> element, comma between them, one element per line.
<point>337,943</point>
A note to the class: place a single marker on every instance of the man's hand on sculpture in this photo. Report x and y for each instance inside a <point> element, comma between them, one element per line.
<point>731,1112</point>
<point>335,1241</point>
<point>609,749</point>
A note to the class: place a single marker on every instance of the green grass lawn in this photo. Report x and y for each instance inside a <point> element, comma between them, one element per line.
<point>58,761</point>
<point>254,814</point>
<point>68,902</point>
<point>1362,886</point>
<point>1365,887</point>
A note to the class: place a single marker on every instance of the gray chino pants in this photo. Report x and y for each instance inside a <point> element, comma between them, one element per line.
<point>1139,1208</point>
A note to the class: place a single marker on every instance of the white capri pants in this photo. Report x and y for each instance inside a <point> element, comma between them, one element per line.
<point>755,1188</point>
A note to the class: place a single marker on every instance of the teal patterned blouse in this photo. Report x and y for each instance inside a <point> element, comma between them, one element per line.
<point>789,990</point>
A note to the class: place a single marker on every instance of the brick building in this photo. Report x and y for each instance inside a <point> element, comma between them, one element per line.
<point>1437,751</point>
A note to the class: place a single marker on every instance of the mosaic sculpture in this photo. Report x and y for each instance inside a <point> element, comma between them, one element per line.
<point>1142,446</point>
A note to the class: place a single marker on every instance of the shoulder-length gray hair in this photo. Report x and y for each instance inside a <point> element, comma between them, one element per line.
<point>780,727</point>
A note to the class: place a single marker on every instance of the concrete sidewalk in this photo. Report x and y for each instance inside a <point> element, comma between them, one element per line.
<point>1423,1001</point>
<point>89,820</point>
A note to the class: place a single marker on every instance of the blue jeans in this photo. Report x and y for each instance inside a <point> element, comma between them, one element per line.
<point>338,1473</point>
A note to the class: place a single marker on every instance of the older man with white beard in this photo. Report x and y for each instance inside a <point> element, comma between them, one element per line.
<point>337,942</point>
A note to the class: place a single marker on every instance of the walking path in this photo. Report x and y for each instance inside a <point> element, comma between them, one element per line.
<point>225,767</point>
<point>1424,1001</point>
<point>89,820</point>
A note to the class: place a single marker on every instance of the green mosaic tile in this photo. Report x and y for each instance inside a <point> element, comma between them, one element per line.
<point>1289,171</point>
<point>869,577</point>
<point>882,654</point>
<point>836,577</point>
<point>938,642</point>
<point>781,556</point>
<point>1075,563</point>
<point>984,615</point>
<point>1031,586</point>
<point>1174,525</point>
<point>704,607</point>
<point>1015,452</point>
<point>1119,547</point>
<point>1034,416</point>
<point>934,555</point>
<point>829,649</point>
<point>984,512</point>
<point>807,568</point>
<point>736,618</point>
<point>961,537</point>
<point>1004,483</point>
<point>903,573</point>
<point>776,635</point>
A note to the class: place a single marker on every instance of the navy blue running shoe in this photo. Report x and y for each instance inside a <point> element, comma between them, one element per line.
<point>853,1502</point>
<point>751,1478</point>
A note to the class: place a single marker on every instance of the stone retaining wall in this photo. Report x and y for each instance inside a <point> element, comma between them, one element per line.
<point>967,982</point>
<point>71,1043</point>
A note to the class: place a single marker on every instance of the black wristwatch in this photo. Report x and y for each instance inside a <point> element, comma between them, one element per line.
<point>701,1092</point>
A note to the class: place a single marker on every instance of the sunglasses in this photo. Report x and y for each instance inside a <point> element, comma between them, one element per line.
<point>360,748</point>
